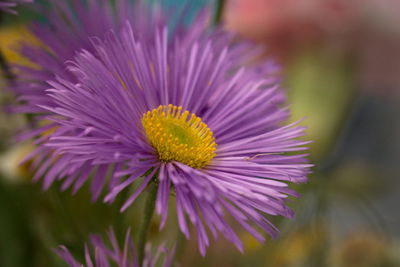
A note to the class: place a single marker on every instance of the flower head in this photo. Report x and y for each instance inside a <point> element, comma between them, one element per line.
<point>67,29</point>
<point>181,106</point>
<point>185,113</point>
<point>8,5</point>
<point>99,254</point>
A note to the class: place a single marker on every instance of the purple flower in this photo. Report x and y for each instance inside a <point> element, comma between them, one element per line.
<point>187,114</point>
<point>68,28</point>
<point>180,106</point>
<point>8,5</point>
<point>100,255</point>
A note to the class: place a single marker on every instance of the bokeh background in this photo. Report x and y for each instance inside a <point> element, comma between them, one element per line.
<point>341,67</point>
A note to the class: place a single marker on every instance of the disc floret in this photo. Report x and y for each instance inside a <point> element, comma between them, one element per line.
<point>179,136</point>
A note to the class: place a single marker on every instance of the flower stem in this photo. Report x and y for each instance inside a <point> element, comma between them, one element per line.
<point>219,11</point>
<point>148,214</point>
<point>5,68</point>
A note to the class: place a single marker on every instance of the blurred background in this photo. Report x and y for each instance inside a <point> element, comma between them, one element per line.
<point>341,68</point>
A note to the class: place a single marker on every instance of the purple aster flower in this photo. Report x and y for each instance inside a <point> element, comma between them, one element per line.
<point>177,107</point>
<point>186,114</point>
<point>99,254</point>
<point>67,29</point>
<point>8,5</point>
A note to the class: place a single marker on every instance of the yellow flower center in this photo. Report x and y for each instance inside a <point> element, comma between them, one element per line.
<point>179,136</point>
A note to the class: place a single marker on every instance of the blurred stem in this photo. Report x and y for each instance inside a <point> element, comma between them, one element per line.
<point>147,216</point>
<point>219,11</point>
<point>5,68</point>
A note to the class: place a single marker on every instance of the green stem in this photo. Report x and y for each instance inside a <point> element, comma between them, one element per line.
<point>148,214</point>
<point>219,11</point>
<point>5,68</point>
